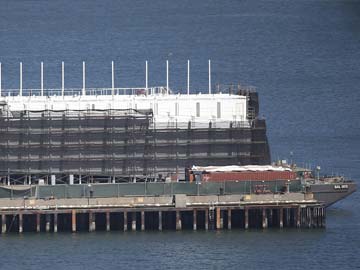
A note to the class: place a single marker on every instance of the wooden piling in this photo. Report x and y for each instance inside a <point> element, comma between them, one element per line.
<point>108,221</point>
<point>160,221</point>
<point>246,213</point>
<point>73,221</point>
<point>3,223</point>
<point>281,217</point>
<point>178,220</point>
<point>194,220</point>
<point>229,219</point>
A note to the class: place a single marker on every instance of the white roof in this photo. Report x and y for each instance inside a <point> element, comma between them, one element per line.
<point>235,168</point>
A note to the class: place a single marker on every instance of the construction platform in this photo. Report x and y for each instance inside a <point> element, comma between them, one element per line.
<point>176,212</point>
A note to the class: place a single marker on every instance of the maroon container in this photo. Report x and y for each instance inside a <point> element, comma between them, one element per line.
<point>248,176</point>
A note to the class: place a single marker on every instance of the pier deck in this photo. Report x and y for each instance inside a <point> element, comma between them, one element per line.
<point>162,212</point>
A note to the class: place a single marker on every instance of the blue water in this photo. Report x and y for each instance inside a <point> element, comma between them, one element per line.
<point>303,57</point>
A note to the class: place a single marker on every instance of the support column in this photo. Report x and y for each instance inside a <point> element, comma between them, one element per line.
<point>194,220</point>
<point>55,222</point>
<point>229,219</point>
<point>3,223</point>
<point>246,218</point>
<point>37,222</point>
<point>93,223</point>
<point>142,220</point>
<point>218,216</point>
<point>298,217</point>
<point>206,219</point>
<point>133,221</point>
<point>264,219</point>
<point>125,222</point>
<point>47,224</point>
<point>73,221</point>
<point>20,222</point>
<point>160,221</point>
<point>281,218</point>
<point>107,221</point>
<point>178,220</point>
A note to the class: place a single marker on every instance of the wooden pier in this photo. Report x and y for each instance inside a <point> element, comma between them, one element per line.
<point>178,212</point>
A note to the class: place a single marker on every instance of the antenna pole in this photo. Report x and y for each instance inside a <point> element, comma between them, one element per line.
<point>83,90</point>
<point>209,76</point>
<point>62,78</point>
<point>21,90</point>
<point>188,77</point>
<point>146,77</point>
<point>167,76</point>
<point>112,79</point>
<point>42,78</point>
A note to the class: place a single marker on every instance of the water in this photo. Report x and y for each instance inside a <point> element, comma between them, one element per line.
<point>304,59</point>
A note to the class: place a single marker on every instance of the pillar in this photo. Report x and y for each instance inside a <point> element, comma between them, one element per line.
<point>133,221</point>
<point>194,220</point>
<point>3,223</point>
<point>309,216</point>
<point>107,221</point>
<point>178,220</point>
<point>142,220</point>
<point>264,219</point>
<point>206,219</point>
<point>221,219</point>
<point>125,222</point>
<point>229,219</point>
<point>47,224</point>
<point>73,221</point>
<point>55,222</point>
<point>160,221</point>
<point>218,216</point>
<point>38,222</point>
<point>20,222</point>
<point>281,218</point>
<point>246,218</point>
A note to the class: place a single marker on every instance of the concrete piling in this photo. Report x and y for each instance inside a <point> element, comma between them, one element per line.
<point>3,223</point>
<point>108,221</point>
<point>47,223</point>
<point>160,221</point>
<point>20,222</point>
<point>73,221</point>
<point>194,220</point>
<point>133,221</point>
<point>229,219</point>
<point>125,221</point>
<point>206,219</point>
<point>281,218</point>
<point>246,213</point>
<point>178,220</point>
<point>264,219</point>
<point>142,220</point>
<point>55,222</point>
<point>37,222</point>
